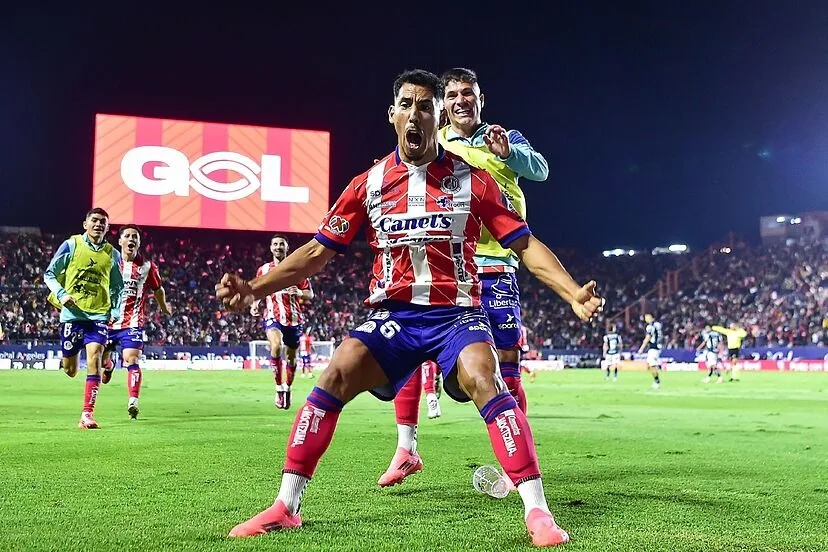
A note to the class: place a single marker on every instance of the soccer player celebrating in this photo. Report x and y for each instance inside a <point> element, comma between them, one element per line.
<point>426,295</point>
<point>141,279</point>
<point>283,319</point>
<point>305,350</point>
<point>84,278</point>
<point>711,342</point>
<point>612,353</point>
<point>652,344</point>
<point>506,156</point>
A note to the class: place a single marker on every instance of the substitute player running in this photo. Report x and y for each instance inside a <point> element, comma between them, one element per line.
<point>426,298</point>
<point>283,319</point>
<point>734,336</point>
<point>506,156</point>
<point>612,353</point>
<point>652,344</point>
<point>84,278</point>
<point>141,279</point>
<point>711,343</point>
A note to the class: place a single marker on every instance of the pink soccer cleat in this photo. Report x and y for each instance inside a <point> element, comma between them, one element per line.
<point>403,464</point>
<point>275,518</point>
<point>543,529</point>
<point>87,421</point>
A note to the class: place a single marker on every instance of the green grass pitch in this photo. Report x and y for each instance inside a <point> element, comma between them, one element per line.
<point>739,466</point>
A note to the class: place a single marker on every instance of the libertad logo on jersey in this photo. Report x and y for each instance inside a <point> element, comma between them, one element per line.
<point>338,225</point>
<point>450,184</point>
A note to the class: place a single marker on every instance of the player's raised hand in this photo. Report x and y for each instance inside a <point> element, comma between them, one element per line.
<point>587,303</point>
<point>67,301</point>
<point>234,292</point>
<point>497,140</point>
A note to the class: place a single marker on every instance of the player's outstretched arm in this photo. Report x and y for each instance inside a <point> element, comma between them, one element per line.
<point>238,294</point>
<point>546,267</point>
<point>160,295</point>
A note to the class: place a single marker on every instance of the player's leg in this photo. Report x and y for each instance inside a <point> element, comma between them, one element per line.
<point>107,363</point>
<point>290,337</point>
<point>511,438</point>
<point>94,339</point>
<point>71,342</point>
<point>429,373</point>
<point>734,365</point>
<point>352,370</point>
<point>134,378</point>
<point>274,339</point>
<point>615,362</point>
<point>406,461</point>
<point>711,366</point>
<point>509,360</point>
<point>652,362</point>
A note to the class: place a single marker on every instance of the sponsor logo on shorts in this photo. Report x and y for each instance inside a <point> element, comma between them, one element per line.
<point>67,345</point>
<point>502,303</point>
<point>380,314</point>
<point>366,327</point>
<point>510,324</point>
<point>478,328</point>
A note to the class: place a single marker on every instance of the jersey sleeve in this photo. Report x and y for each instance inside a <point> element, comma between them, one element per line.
<point>154,277</point>
<point>344,220</point>
<point>496,212</point>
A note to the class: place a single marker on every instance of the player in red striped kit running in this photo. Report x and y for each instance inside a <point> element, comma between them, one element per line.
<point>426,298</point>
<point>141,279</point>
<point>283,319</point>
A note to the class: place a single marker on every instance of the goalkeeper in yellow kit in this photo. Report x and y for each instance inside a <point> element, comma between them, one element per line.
<point>734,335</point>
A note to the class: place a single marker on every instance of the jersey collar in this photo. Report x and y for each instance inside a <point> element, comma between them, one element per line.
<point>441,154</point>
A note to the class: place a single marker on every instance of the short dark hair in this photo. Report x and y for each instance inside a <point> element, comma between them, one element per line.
<point>126,227</point>
<point>460,74</point>
<point>96,211</point>
<point>281,236</point>
<point>420,77</point>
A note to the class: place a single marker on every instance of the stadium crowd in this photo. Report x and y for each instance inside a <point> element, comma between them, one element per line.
<point>779,293</point>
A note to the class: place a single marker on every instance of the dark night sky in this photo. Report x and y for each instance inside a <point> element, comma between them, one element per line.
<point>660,123</point>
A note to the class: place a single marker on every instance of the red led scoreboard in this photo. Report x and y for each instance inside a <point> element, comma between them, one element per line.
<point>162,172</point>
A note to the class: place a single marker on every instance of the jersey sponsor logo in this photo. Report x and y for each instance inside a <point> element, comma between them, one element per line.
<point>416,201</point>
<point>384,205</point>
<point>375,194</point>
<point>170,172</point>
<point>338,225</point>
<point>380,314</point>
<point>447,203</point>
<point>429,222</point>
<point>450,184</point>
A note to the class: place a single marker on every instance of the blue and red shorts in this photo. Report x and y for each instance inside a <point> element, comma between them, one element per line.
<point>80,333</point>
<point>290,334</point>
<point>500,299</point>
<point>127,338</point>
<point>402,336</point>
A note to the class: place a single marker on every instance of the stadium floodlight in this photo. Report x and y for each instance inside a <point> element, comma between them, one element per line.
<point>781,219</point>
<point>630,252</point>
<point>796,220</point>
<point>725,250</point>
<point>677,248</point>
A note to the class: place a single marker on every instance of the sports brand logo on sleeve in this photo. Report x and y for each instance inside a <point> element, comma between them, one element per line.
<point>338,225</point>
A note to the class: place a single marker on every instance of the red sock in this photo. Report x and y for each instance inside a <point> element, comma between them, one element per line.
<point>134,378</point>
<point>407,401</point>
<point>515,387</point>
<point>90,394</point>
<point>276,366</point>
<point>290,372</point>
<point>429,371</point>
<point>312,432</point>
<point>511,438</point>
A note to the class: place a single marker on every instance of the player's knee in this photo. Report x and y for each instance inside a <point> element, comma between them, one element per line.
<point>70,366</point>
<point>351,371</point>
<point>481,385</point>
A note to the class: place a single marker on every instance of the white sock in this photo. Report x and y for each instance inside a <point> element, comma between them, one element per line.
<point>531,492</point>
<point>431,397</point>
<point>407,437</point>
<point>133,401</point>
<point>291,491</point>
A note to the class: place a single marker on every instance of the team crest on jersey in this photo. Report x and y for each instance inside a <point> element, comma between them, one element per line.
<point>338,225</point>
<point>450,184</point>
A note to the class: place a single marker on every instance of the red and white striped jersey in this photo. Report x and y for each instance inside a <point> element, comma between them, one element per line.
<point>141,278</point>
<point>283,306</point>
<point>423,227</point>
<point>305,344</point>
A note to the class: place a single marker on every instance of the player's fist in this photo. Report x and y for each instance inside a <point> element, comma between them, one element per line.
<point>234,292</point>
<point>587,303</point>
<point>67,301</point>
<point>254,309</point>
<point>497,140</point>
